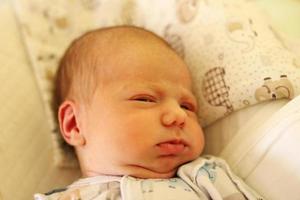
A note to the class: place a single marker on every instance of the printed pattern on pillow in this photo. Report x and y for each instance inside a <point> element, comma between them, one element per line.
<point>236,58</point>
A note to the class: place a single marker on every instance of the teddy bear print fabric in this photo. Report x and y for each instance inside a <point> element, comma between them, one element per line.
<point>236,57</point>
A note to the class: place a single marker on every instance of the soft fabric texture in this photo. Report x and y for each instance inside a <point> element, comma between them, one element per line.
<point>204,178</point>
<point>237,59</point>
<point>266,155</point>
<point>219,134</point>
<point>26,152</point>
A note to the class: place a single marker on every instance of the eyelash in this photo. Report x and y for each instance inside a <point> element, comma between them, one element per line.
<point>188,106</point>
<point>144,98</point>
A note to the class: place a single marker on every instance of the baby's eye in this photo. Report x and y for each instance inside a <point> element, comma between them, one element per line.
<point>188,106</point>
<point>144,98</point>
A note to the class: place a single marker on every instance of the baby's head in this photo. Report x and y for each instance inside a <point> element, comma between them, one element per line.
<point>126,104</point>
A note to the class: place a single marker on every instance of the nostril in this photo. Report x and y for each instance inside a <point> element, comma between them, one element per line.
<point>182,124</point>
<point>273,96</point>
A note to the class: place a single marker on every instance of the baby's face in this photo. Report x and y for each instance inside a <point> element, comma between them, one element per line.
<point>142,121</point>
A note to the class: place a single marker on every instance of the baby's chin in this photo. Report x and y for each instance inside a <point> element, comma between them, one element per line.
<point>165,167</point>
<point>161,169</point>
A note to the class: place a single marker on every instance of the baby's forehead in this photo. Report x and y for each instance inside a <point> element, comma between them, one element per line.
<point>102,46</point>
<point>111,45</point>
<point>105,49</point>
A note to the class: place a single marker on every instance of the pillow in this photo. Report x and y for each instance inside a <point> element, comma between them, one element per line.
<point>236,58</point>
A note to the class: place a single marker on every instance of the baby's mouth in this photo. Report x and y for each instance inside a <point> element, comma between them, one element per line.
<point>171,148</point>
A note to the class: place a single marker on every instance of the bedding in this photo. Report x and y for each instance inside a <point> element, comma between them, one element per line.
<point>261,144</point>
<point>284,14</point>
<point>266,155</point>
<point>26,163</point>
<point>219,134</point>
<point>236,57</point>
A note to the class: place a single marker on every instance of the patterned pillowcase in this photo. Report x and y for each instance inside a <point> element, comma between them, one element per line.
<point>236,58</point>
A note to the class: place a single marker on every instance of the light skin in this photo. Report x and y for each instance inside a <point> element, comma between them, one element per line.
<point>141,120</point>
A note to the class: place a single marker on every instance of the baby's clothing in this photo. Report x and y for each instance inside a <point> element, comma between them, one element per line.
<point>204,178</point>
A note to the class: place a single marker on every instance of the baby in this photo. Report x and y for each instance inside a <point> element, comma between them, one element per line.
<point>128,109</point>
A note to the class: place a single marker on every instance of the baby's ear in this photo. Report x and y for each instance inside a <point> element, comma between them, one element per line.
<point>68,123</point>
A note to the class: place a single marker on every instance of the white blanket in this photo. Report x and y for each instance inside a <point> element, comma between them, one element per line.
<point>266,155</point>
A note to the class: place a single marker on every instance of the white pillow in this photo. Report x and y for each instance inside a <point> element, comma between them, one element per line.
<point>235,56</point>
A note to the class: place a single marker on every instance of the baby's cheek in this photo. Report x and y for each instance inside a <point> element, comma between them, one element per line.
<point>198,139</point>
<point>135,145</point>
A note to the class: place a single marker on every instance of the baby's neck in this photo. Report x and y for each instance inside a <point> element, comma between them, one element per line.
<point>131,170</point>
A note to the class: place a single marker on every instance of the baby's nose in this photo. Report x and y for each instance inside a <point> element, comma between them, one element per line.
<point>174,116</point>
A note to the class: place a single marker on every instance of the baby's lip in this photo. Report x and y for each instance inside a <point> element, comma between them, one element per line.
<point>171,147</point>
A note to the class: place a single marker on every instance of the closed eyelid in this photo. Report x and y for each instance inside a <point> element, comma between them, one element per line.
<point>190,98</point>
<point>190,104</point>
<point>144,97</point>
<point>157,93</point>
